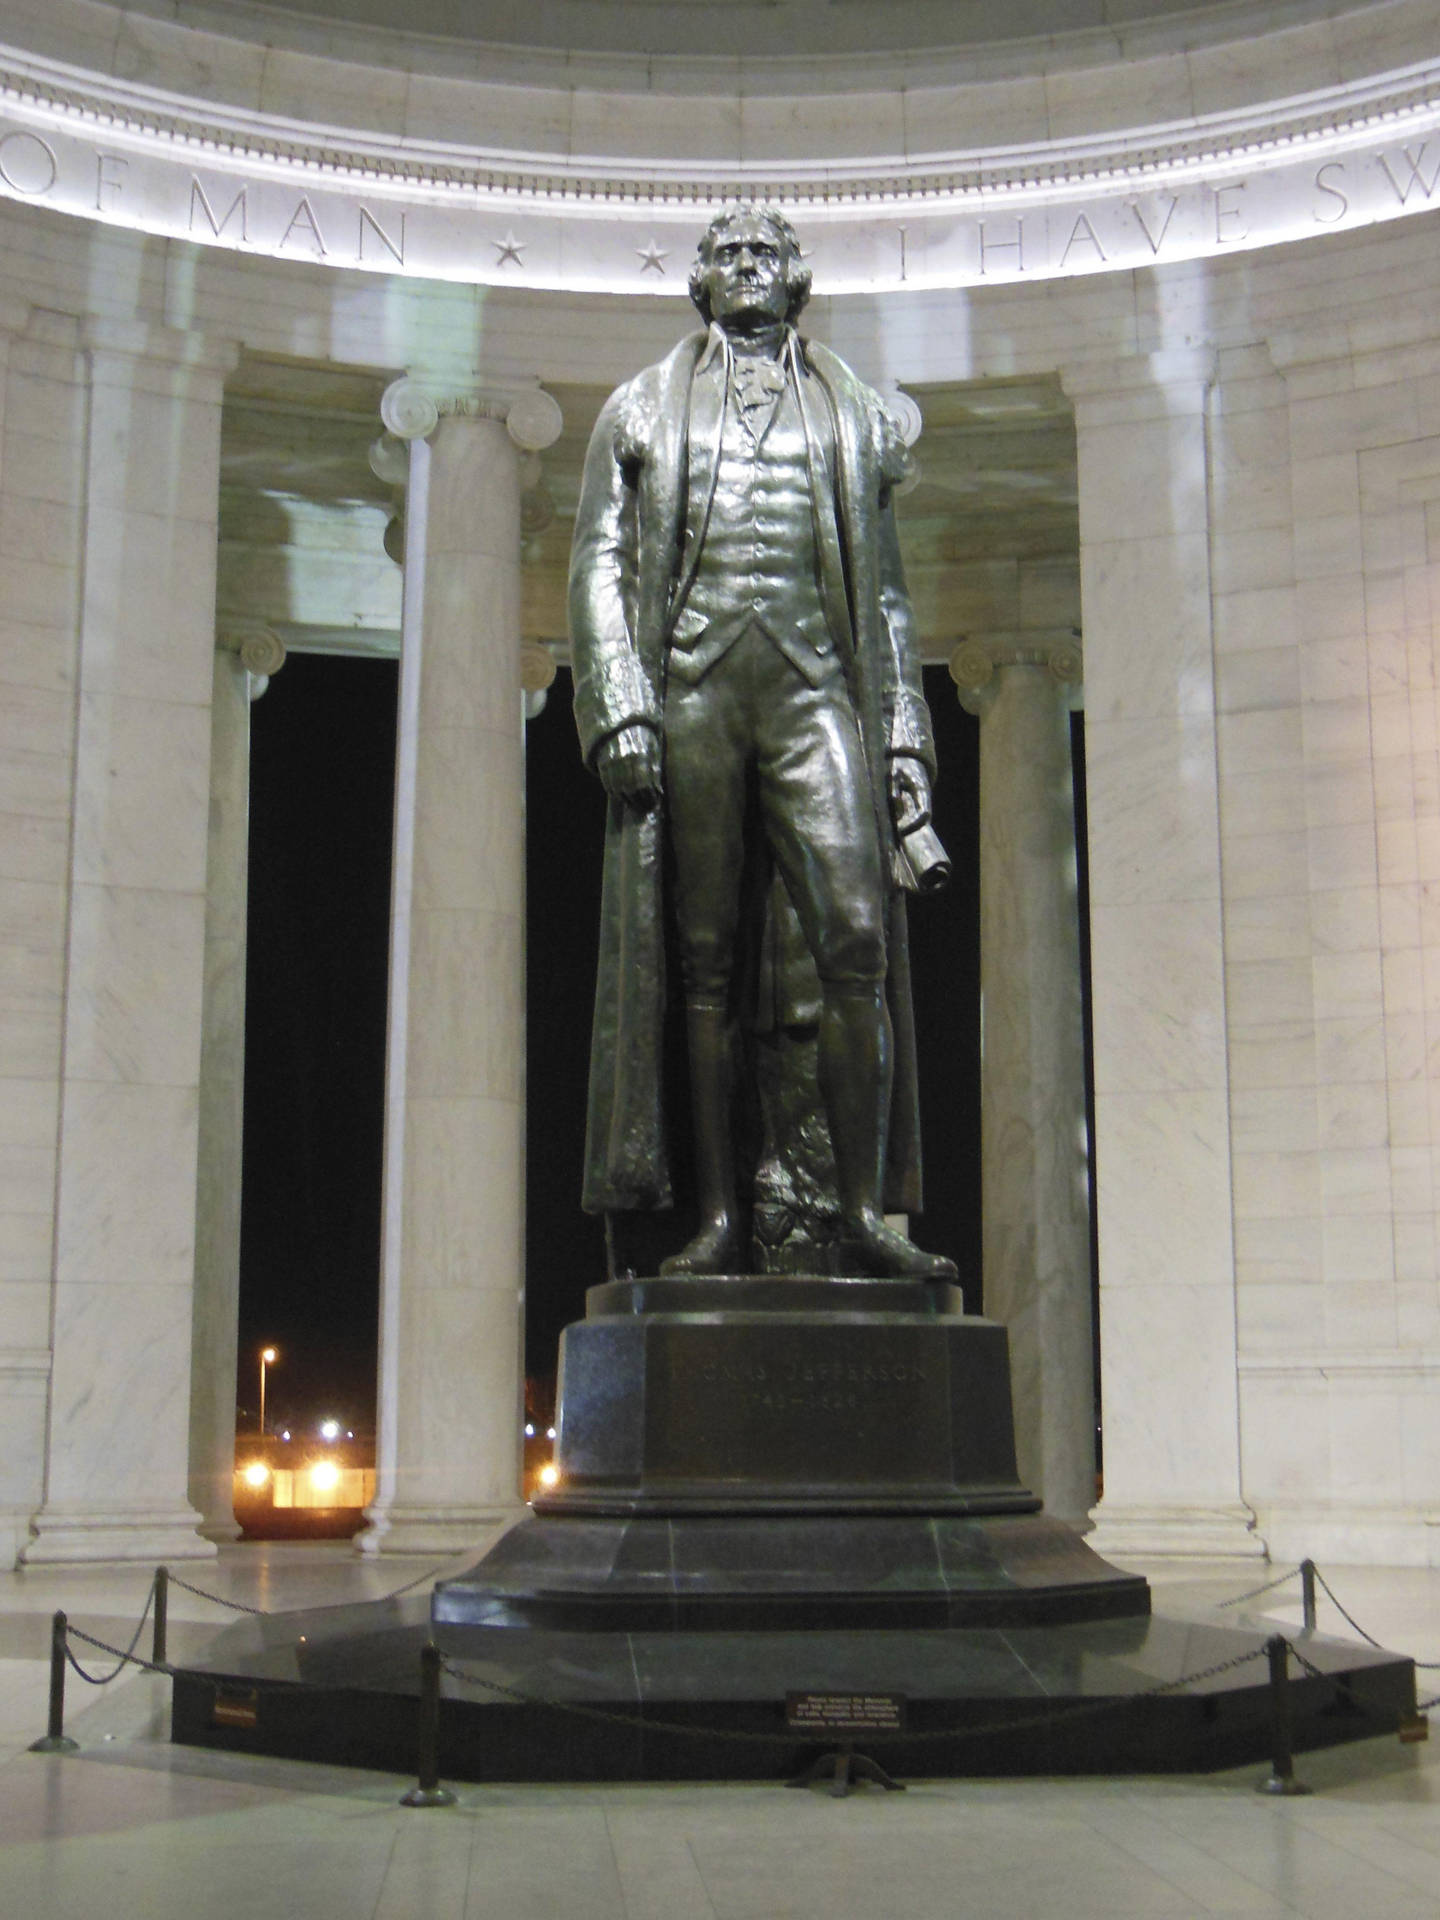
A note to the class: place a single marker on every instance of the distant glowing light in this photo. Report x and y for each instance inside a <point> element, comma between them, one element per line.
<point>529,1431</point>
<point>549,1474</point>
<point>286,1434</point>
<point>549,1433</point>
<point>255,1474</point>
<point>329,1429</point>
<point>325,1476</point>
<point>269,1356</point>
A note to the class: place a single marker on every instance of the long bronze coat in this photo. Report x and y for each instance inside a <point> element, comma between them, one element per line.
<point>636,535</point>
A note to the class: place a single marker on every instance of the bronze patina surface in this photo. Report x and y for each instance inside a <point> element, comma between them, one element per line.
<point>747,691</point>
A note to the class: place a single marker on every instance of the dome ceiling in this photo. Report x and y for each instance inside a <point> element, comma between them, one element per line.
<point>789,32</point>
<point>1133,139</point>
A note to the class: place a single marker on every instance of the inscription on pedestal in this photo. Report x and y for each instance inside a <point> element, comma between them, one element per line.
<point>818,1407</point>
<point>814,1387</point>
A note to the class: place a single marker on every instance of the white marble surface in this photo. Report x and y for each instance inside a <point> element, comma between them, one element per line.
<point>134,945</point>
<point>452,1280</point>
<point>219,1140</point>
<point>1035,1205</point>
<point>1258,843</point>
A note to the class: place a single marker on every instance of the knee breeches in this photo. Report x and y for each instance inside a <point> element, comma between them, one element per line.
<point>754,724</point>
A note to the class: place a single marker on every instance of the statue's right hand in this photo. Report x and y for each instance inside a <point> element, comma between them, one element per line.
<point>628,764</point>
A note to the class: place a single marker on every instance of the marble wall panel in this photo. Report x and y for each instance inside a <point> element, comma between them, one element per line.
<point>143,793</point>
<point>1159,1453</point>
<point>136,958</point>
<point>1266,927</point>
<point>127,1187</point>
<point>1271,1185</point>
<point>1141,476</point>
<point>1279,1259</point>
<point>1285,1436</point>
<point>305,86</point>
<point>1154,591</point>
<point>1165,1200</point>
<point>154,439</point>
<point>654,126</point>
<point>205,66</point>
<point>1005,110</point>
<point>1258,617</point>
<point>1151,798</point>
<point>149,585</point>
<point>1269,677</point>
<point>121,1354</point>
<point>1157,1022</point>
<point>804,127</point>
<point>23,1392</point>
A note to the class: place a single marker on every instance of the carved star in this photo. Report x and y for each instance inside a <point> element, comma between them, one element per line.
<point>653,258</point>
<point>509,249</point>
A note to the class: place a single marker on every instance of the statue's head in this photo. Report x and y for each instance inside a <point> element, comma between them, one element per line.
<point>748,269</point>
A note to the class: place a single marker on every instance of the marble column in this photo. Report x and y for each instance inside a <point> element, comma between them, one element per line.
<point>452,1269</point>
<point>118,1429</point>
<point>1034,1173</point>
<point>245,657</point>
<point>1169,1404</point>
<point>36,635</point>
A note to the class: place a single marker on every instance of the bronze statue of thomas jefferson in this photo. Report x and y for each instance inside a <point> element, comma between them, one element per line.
<point>747,691</point>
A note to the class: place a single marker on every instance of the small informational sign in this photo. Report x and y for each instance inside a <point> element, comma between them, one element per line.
<point>235,1708</point>
<point>845,1712</point>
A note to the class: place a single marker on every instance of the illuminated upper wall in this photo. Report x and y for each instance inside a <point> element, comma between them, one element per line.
<point>1137,137</point>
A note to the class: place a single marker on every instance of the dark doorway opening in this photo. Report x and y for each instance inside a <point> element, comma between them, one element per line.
<point>322,760</point>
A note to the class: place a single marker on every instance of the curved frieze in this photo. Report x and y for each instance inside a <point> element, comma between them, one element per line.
<point>131,157</point>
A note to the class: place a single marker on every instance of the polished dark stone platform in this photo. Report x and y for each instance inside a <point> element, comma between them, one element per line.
<point>749,1573</point>
<point>769,1487</point>
<point>340,1686</point>
<point>791,1394</point>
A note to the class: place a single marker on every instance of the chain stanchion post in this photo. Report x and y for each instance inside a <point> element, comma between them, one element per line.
<point>162,1605</point>
<point>1282,1726</point>
<point>428,1791</point>
<point>55,1739</point>
<point>1307,1593</point>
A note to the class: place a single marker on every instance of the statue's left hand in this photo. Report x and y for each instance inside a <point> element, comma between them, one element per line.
<point>909,794</point>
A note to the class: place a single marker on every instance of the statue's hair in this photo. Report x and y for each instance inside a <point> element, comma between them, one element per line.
<point>797,275</point>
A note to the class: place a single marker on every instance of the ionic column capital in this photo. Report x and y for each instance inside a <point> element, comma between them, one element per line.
<point>537,674</point>
<point>1054,651</point>
<point>413,406</point>
<point>260,649</point>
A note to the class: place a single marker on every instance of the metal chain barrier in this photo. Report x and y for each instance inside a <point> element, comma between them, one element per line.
<point>435,1662</point>
<point>1239,1599</point>
<point>127,1658</point>
<point>122,1660</point>
<point>263,1613</point>
<point>799,1736</point>
<point>220,1600</point>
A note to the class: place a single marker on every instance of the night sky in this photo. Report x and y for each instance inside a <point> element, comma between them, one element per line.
<point>322,776</point>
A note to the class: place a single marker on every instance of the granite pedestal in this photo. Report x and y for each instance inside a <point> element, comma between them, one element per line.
<point>770,1490</point>
<point>758,1453</point>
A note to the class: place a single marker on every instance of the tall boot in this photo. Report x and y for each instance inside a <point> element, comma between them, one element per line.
<point>719,1245</point>
<point>854,1071</point>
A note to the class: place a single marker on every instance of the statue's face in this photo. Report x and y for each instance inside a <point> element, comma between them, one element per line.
<point>747,277</point>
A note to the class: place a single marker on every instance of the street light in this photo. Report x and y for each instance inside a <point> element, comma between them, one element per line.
<point>268,1357</point>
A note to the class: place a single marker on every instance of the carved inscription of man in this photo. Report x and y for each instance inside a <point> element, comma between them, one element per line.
<point>747,691</point>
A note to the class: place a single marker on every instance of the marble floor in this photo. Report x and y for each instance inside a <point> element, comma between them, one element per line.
<point>129,1828</point>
